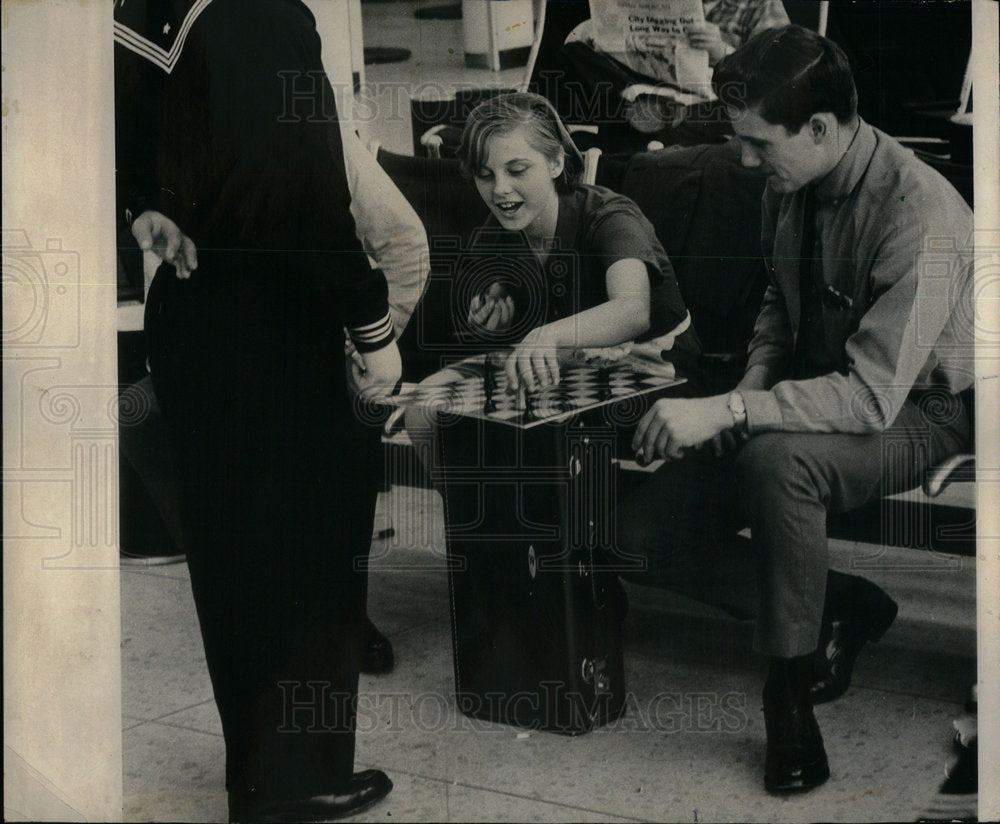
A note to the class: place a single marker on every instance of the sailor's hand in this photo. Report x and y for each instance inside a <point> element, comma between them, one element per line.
<point>157,233</point>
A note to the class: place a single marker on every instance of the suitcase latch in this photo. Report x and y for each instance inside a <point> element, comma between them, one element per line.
<point>596,671</point>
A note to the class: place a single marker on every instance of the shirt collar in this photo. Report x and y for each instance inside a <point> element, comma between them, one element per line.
<point>842,179</point>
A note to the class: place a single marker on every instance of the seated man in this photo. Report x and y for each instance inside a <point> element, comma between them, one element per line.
<point>594,57</point>
<point>863,343</point>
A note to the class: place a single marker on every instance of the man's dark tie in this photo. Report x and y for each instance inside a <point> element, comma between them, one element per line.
<point>807,304</point>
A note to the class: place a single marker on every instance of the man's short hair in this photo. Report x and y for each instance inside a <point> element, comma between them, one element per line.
<point>788,74</point>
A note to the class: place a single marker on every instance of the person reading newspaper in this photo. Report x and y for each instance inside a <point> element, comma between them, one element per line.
<point>655,57</point>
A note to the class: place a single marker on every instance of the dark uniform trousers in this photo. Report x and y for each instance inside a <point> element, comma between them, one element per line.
<point>226,124</point>
<point>783,486</point>
<point>274,477</point>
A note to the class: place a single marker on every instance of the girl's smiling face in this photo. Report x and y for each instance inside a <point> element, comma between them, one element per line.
<point>518,184</point>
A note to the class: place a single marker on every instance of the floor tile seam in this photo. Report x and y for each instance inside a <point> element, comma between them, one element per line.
<point>429,622</point>
<point>136,723</point>
<point>634,656</point>
<point>888,691</point>
<point>958,702</point>
<point>426,571</point>
<point>640,657</point>
<point>482,788</point>
<point>158,719</point>
<point>165,725</point>
<point>186,728</point>
<point>887,644</point>
<point>152,572</point>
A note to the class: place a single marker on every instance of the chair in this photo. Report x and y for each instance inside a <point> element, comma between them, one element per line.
<point>812,14</point>
<point>958,467</point>
<point>955,468</point>
<point>553,20</point>
<point>687,193</point>
<point>433,139</point>
<point>906,61</point>
<point>950,151</point>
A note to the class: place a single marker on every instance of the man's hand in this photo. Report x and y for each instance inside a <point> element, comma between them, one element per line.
<point>706,36</point>
<point>676,424</point>
<point>157,233</point>
<point>726,441</point>
<point>493,310</point>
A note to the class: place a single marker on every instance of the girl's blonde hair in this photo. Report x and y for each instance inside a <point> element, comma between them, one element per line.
<point>546,134</point>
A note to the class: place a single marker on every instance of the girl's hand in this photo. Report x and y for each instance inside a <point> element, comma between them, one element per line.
<point>493,310</point>
<point>706,36</point>
<point>534,363</point>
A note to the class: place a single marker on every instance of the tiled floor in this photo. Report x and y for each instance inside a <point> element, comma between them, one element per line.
<point>690,747</point>
<point>675,756</point>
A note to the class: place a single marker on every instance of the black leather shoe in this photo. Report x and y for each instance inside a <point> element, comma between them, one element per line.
<point>856,611</point>
<point>366,788</point>
<point>796,759</point>
<point>376,654</point>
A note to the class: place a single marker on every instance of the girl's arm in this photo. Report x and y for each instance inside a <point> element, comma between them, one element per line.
<point>623,317</point>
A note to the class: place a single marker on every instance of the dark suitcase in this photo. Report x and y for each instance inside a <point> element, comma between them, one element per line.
<point>536,606</point>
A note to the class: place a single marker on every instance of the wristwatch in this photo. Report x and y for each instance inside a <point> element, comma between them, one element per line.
<point>738,410</point>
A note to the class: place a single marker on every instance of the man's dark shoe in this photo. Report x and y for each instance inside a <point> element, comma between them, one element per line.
<point>962,777</point>
<point>376,654</point>
<point>366,788</point>
<point>856,611</point>
<point>796,759</point>
<point>958,797</point>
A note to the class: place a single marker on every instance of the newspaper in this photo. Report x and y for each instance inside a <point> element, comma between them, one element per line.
<point>650,37</point>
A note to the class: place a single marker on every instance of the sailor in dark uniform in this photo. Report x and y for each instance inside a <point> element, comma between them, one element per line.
<point>231,169</point>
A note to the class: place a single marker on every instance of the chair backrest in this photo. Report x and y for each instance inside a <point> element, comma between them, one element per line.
<point>705,208</point>
<point>548,74</point>
<point>813,14</point>
<point>445,202</point>
<point>544,74</point>
<point>906,56</point>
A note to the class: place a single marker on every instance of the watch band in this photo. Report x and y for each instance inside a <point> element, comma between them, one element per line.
<point>738,410</point>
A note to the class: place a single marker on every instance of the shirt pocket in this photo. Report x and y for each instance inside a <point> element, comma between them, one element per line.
<point>841,319</point>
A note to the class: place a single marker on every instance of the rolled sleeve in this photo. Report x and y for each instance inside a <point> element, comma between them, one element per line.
<point>388,228</point>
